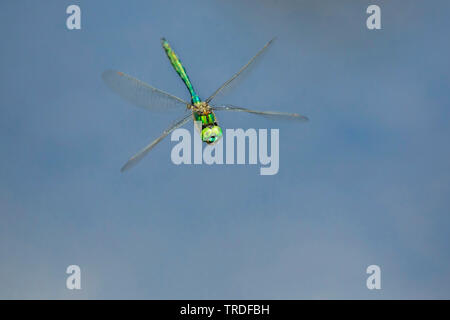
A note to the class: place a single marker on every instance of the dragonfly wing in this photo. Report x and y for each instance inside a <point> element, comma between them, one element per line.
<point>138,156</point>
<point>268,114</point>
<point>227,83</point>
<point>140,93</point>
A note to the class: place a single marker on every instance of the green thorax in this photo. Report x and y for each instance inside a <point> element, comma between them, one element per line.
<point>205,118</point>
<point>176,63</point>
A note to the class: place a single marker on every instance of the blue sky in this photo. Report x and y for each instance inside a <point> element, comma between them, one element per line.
<point>366,181</point>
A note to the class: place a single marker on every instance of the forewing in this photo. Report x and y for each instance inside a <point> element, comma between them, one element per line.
<point>268,114</point>
<point>138,156</point>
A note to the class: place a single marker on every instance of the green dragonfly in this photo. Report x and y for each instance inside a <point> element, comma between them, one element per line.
<point>202,112</point>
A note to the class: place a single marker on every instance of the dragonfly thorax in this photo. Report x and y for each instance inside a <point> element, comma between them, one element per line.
<point>201,107</point>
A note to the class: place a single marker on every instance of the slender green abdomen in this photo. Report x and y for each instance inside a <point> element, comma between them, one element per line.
<point>176,64</point>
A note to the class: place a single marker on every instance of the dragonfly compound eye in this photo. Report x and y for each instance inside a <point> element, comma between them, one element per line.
<point>217,131</point>
<point>206,134</point>
<point>211,134</point>
<point>215,135</point>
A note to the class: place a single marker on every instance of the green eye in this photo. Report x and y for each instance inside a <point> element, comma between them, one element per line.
<point>206,133</point>
<point>211,134</point>
<point>217,131</point>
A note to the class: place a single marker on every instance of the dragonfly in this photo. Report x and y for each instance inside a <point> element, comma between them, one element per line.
<point>201,111</point>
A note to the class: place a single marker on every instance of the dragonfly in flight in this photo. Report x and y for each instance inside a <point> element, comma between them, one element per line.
<point>202,111</point>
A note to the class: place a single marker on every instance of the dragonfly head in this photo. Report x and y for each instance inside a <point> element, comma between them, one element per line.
<point>211,134</point>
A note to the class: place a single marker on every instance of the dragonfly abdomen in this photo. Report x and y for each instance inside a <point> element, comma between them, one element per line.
<point>176,64</point>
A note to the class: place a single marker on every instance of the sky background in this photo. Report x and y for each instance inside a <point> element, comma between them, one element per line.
<point>366,181</point>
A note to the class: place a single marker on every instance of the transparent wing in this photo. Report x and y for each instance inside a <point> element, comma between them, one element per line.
<point>268,114</point>
<point>227,83</point>
<point>138,156</point>
<point>140,93</point>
